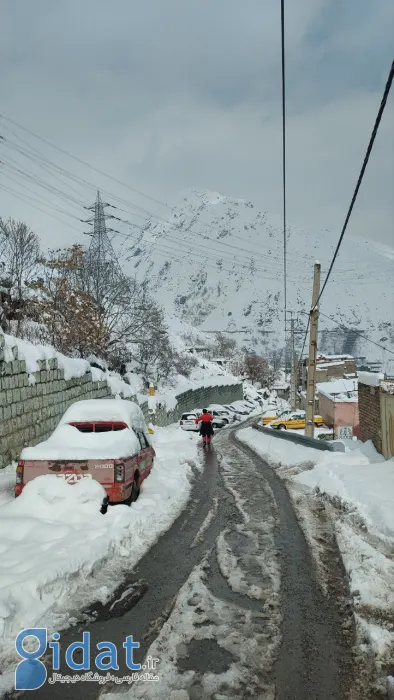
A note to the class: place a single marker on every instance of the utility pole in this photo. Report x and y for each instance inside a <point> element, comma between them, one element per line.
<point>293,385</point>
<point>311,382</point>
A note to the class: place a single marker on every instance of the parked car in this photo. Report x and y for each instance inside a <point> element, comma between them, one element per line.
<point>221,411</point>
<point>251,404</point>
<point>272,414</point>
<point>219,421</point>
<point>233,412</point>
<point>188,421</point>
<point>240,408</point>
<point>294,420</point>
<point>105,440</point>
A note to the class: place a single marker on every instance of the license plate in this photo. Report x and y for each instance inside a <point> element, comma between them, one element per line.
<point>73,478</point>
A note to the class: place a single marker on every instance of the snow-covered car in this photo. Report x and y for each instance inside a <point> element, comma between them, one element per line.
<point>252,404</point>
<point>241,408</point>
<point>235,414</point>
<point>188,421</point>
<point>222,411</point>
<point>102,439</point>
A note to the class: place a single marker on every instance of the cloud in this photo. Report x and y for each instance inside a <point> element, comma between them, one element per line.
<point>166,95</point>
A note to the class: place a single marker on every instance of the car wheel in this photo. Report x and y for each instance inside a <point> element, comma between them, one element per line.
<point>104,506</point>
<point>282,427</point>
<point>135,491</point>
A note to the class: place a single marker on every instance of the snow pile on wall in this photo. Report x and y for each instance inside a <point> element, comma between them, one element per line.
<point>205,374</point>
<point>32,354</point>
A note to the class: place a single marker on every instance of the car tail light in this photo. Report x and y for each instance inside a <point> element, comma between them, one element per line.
<point>119,472</point>
<point>181,422</point>
<point>19,473</point>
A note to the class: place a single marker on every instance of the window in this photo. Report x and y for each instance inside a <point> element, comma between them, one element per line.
<point>142,440</point>
<point>102,427</point>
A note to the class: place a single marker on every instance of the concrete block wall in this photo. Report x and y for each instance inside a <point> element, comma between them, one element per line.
<point>29,412</point>
<point>370,420</point>
<point>195,398</point>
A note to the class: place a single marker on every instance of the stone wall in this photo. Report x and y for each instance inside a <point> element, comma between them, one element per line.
<point>370,425</point>
<point>32,405</point>
<point>195,398</point>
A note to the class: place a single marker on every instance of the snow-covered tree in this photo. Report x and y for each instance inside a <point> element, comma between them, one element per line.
<point>19,256</point>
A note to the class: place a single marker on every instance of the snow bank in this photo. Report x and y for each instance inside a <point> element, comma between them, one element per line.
<point>53,536</point>
<point>360,487</point>
<point>360,476</point>
<point>7,483</point>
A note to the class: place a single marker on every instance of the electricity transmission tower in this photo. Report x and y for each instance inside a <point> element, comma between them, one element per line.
<point>103,265</point>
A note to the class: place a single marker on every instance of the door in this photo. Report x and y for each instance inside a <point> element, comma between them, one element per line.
<point>145,458</point>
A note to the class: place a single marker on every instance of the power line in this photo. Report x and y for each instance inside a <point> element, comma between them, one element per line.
<point>361,175</point>
<point>306,335</point>
<point>82,182</point>
<point>357,333</point>
<point>282,23</point>
<point>146,212</point>
<point>354,332</point>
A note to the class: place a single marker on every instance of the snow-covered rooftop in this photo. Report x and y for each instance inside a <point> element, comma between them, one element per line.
<point>370,378</point>
<point>345,390</point>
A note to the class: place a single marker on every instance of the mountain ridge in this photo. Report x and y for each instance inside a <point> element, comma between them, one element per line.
<point>217,263</point>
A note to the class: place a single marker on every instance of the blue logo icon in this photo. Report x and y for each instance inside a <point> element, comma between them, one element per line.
<point>31,673</point>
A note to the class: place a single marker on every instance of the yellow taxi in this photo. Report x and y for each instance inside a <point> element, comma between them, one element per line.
<point>271,414</point>
<point>294,420</point>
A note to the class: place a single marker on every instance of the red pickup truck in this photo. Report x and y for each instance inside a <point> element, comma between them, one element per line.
<point>102,439</point>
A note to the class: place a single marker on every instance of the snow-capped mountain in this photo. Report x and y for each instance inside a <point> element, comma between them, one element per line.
<point>217,263</point>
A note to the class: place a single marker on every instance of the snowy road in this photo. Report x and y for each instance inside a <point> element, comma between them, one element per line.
<point>227,599</point>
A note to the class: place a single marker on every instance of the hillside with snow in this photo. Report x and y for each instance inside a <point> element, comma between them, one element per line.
<point>216,263</point>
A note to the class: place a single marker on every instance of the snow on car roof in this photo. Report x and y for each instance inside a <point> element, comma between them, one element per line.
<point>96,410</point>
<point>68,443</point>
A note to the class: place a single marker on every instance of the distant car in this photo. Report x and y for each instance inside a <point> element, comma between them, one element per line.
<point>252,404</point>
<point>295,420</point>
<point>240,407</point>
<point>219,421</point>
<point>222,411</point>
<point>272,414</point>
<point>236,415</point>
<point>104,440</point>
<point>188,421</point>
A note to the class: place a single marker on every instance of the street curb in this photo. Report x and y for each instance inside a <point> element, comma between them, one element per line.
<point>301,439</point>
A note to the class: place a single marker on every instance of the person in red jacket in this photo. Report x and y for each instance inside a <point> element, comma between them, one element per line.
<point>206,427</point>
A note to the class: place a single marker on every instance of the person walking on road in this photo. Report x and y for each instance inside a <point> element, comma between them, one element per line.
<point>206,427</point>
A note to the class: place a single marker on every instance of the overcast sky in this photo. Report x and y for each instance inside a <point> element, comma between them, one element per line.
<point>166,94</point>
